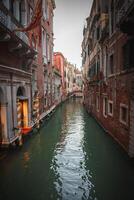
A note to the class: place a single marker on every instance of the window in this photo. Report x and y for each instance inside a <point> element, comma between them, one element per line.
<point>44,43</point>
<point>48,47</point>
<point>111,64</point>
<point>123,114</point>
<point>45,101</point>
<point>112,17</point>
<point>125,56</point>
<point>110,108</point>
<point>12,6</point>
<point>97,103</point>
<point>105,106</point>
<point>47,11</point>
<point>20,12</point>
<point>30,14</point>
<point>98,33</point>
<point>128,58</point>
<point>44,9</point>
<point>105,62</point>
<point>21,15</point>
<point>88,49</point>
<point>92,70</point>
<point>98,66</point>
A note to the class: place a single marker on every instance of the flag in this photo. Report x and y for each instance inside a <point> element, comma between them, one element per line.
<point>35,22</point>
<point>36,18</point>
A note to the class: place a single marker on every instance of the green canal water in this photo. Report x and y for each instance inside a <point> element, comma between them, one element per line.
<point>70,158</point>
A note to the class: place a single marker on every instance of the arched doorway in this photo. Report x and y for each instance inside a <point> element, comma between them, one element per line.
<point>22,108</point>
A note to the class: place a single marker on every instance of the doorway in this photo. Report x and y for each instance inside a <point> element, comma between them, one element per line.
<point>23,113</point>
<point>22,108</point>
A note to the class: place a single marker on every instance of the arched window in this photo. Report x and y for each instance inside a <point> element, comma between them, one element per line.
<point>20,92</point>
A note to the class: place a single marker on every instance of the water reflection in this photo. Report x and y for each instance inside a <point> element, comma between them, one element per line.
<point>26,158</point>
<point>71,158</point>
<point>72,180</point>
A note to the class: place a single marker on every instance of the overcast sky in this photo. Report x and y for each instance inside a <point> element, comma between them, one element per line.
<point>69,20</point>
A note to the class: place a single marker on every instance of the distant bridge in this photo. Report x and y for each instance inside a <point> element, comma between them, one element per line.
<point>77,93</point>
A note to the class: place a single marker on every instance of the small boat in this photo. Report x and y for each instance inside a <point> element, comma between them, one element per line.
<point>26,130</point>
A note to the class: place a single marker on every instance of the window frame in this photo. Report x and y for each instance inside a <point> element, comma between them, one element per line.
<point>110,113</point>
<point>105,106</point>
<point>111,69</point>
<point>98,103</point>
<point>121,120</point>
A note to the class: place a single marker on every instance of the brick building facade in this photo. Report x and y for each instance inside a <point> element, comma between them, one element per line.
<point>108,65</point>
<point>24,63</point>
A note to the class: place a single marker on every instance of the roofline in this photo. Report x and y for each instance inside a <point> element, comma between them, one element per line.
<point>59,53</point>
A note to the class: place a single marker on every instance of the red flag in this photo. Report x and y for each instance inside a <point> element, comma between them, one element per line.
<point>33,29</point>
<point>36,18</point>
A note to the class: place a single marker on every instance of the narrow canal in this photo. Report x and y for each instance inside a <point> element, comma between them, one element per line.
<point>71,158</point>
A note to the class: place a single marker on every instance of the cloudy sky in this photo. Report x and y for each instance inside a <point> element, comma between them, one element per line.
<point>69,19</point>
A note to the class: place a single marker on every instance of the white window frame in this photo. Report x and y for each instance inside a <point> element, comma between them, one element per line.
<point>44,42</point>
<point>109,64</point>
<point>105,115</point>
<point>123,106</point>
<point>109,113</point>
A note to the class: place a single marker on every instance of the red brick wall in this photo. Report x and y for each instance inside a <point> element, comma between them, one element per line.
<point>59,62</point>
<point>117,89</point>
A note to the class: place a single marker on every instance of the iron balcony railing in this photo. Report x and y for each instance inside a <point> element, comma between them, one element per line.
<point>8,21</point>
<point>125,9</point>
<point>94,19</point>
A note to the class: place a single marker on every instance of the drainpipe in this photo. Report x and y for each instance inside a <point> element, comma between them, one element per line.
<point>11,77</point>
<point>31,89</point>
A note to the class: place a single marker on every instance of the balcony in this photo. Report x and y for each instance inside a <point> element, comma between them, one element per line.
<point>94,19</point>
<point>103,27</point>
<point>125,16</point>
<point>94,74</point>
<point>104,34</point>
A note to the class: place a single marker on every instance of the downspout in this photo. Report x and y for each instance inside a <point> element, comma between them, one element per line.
<point>31,94</point>
<point>11,77</point>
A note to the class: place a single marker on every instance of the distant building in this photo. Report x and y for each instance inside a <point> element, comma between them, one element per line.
<point>108,63</point>
<point>70,77</point>
<point>79,80</point>
<point>57,90</point>
<point>60,64</point>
